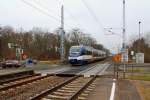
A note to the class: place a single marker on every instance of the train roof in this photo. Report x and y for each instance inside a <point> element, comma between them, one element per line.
<point>89,48</point>
<point>82,46</point>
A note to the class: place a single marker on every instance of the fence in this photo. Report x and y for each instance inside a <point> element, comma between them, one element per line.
<point>132,71</point>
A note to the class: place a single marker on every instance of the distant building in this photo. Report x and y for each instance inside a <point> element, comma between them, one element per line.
<point>139,57</point>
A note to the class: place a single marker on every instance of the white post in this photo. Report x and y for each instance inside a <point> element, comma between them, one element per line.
<point>124,39</point>
<point>62,34</point>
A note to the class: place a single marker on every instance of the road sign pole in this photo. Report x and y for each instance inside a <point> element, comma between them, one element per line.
<point>114,70</point>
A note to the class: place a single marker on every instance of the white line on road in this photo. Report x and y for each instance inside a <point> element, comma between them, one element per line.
<point>113,90</point>
<point>104,69</point>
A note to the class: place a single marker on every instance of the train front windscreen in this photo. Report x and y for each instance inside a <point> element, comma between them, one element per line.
<point>74,51</point>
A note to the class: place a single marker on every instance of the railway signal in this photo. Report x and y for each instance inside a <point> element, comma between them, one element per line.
<point>19,50</point>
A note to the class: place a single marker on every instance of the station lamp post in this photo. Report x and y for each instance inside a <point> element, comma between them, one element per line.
<point>139,36</point>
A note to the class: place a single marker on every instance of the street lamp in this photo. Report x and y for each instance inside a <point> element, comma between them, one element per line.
<point>112,33</point>
<point>139,36</point>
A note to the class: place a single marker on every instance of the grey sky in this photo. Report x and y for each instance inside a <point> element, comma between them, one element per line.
<point>109,12</point>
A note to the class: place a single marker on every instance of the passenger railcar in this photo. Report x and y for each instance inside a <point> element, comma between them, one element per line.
<point>84,54</point>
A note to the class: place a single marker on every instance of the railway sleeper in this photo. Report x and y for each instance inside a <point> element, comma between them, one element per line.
<point>68,91</point>
<point>17,82</point>
<point>72,86</point>
<point>81,98</point>
<point>86,92</point>
<point>55,97</point>
<point>64,93</point>
<point>65,88</point>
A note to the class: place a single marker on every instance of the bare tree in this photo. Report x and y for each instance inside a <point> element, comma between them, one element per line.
<point>40,44</point>
<point>142,45</point>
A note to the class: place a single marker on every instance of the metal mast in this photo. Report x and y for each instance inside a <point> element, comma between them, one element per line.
<point>62,52</point>
<point>139,36</point>
<point>124,27</point>
<point>124,53</point>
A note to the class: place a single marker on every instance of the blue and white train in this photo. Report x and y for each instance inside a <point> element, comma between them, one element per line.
<point>84,54</point>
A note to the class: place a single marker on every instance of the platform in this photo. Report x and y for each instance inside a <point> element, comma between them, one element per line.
<point>13,71</point>
<point>102,91</point>
<point>7,75</point>
<point>123,90</point>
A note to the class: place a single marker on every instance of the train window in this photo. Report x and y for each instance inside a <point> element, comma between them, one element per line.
<point>75,49</point>
<point>86,52</point>
<point>95,54</point>
<point>83,52</point>
<point>89,53</point>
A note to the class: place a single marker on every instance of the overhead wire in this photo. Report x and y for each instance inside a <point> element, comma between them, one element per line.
<point>43,6</point>
<point>58,20</point>
<point>93,15</point>
<point>72,16</point>
<point>42,11</point>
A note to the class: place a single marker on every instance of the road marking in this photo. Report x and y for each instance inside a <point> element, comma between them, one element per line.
<point>113,90</point>
<point>104,68</point>
<point>98,69</point>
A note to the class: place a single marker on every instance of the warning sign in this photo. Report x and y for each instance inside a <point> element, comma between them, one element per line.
<point>24,56</point>
<point>117,58</point>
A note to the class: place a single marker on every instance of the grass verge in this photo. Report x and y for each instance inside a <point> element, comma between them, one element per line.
<point>143,88</point>
<point>140,77</point>
<point>136,70</point>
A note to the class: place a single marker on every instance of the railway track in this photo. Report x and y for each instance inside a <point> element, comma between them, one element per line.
<point>15,76</point>
<point>19,82</point>
<point>47,87</point>
<point>69,90</point>
<point>23,92</point>
<point>76,88</point>
<point>15,79</point>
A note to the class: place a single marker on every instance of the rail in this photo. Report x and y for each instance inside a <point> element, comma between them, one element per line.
<point>71,97</point>
<point>20,83</point>
<point>44,93</point>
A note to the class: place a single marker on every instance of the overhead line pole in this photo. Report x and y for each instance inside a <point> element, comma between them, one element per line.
<point>124,27</point>
<point>0,43</point>
<point>124,54</point>
<point>62,33</point>
<point>73,17</point>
